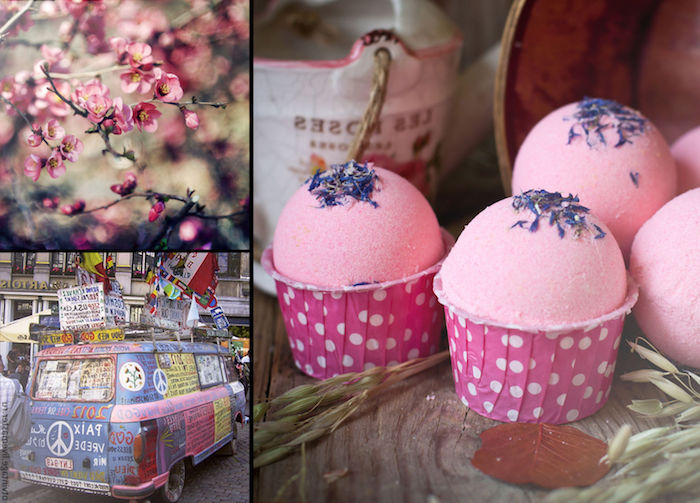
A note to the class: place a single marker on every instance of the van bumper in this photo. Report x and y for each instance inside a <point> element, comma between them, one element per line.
<point>13,473</point>
<point>140,491</point>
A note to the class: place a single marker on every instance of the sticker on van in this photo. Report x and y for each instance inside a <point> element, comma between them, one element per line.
<point>131,376</point>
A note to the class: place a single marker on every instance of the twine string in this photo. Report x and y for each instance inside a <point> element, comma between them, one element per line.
<point>370,118</point>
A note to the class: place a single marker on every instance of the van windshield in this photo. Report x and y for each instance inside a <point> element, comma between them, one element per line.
<point>85,379</point>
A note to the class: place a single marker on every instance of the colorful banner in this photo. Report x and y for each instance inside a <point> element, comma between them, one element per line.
<point>82,307</point>
<point>194,269</point>
<point>108,334</point>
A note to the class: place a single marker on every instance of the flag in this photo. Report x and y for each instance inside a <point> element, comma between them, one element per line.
<point>193,314</point>
<point>92,262</point>
<point>196,270</point>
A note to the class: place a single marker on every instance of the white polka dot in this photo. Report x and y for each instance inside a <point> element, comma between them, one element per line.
<point>462,322</point>
<point>290,292</point>
<point>551,357</point>
<point>362,316</point>
<point>325,311</point>
<point>369,365</point>
<point>609,370</point>
<point>318,295</point>
<point>336,295</point>
<point>469,335</point>
<point>512,415</point>
<point>306,307</point>
<point>355,339</point>
<point>532,364</point>
<point>552,335</point>
<point>515,341</point>
<point>504,339</point>
<point>465,402</point>
<point>471,388</point>
<point>599,397</point>
<point>424,337</point>
<point>607,392</point>
<point>537,411</point>
<point>291,322</point>
<point>516,366</point>
<point>390,343</point>
<point>372,344</point>
<point>566,342</point>
<point>320,329</point>
<point>392,363</point>
<point>413,354</point>
<point>602,367</point>
<point>476,372</point>
<point>420,299</point>
<point>451,312</point>
<point>341,328</point>
<point>486,330</point>
<point>376,320</point>
<point>392,318</point>
<point>455,332</point>
<point>379,295</point>
<point>584,343</point>
<point>516,391</point>
<point>455,375</point>
<point>534,389</point>
<point>501,363</point>
<point>603,334</point>
<point>464,355</point>
<point>409,286</point>
<point>300,345</point>
<point>553,378</point>
<point>407,334</point>
<point>432,302</point>
<point>488,406</point>
<point>459,366</point>
<point>588,392</point>
<point>496,386</point>
<point>578,379</point>
<point>309,369</point>
<point>453,345</point>
<point>572,415</point>
<point>561,399</point>
<point>348,361</point>
<point>291,343</point>
<point>302,318</point>
<point>321,361</point>
<point>298,365</point>
<point>330,345</point>
<point>573,363</point>
<point>286,298</point>
<point>617,342</point>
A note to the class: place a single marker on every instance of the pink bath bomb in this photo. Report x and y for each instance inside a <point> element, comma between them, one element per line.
<point>535,261</point>
<point>665,261</point>
<point>352,225</point>
<point>686,152</point>
<point>610,155</point>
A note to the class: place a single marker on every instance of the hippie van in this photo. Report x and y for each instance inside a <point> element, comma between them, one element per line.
<point>123,418</point>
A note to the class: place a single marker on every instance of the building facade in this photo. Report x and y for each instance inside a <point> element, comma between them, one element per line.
<point>29,282</point>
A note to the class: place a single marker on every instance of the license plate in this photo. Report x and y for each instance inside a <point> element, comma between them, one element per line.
<point>62,463</point>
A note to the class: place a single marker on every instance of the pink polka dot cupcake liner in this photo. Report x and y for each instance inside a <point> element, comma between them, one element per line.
<point>351,329</point>
<point>527,375</point>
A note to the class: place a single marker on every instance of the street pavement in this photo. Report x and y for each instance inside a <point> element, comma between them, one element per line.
<point>217,478</point>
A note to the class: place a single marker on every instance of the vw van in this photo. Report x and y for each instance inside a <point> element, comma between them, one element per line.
<point>123,418</point>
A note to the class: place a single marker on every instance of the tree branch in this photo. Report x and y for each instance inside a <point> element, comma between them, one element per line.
<point>76,110</point>
<point>91,73</point>
<point>5,28</point>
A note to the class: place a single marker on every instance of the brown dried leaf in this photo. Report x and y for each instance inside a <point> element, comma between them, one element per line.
<point>548,455</point>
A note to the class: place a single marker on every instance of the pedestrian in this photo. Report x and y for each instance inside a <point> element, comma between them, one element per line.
<point>21,373</point>
<point>2,367</point>
<point>12,361</point>
<point>8,389</point>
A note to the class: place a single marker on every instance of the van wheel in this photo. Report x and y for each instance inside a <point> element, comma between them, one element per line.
<point>229,449</point>
<point>172,490</point>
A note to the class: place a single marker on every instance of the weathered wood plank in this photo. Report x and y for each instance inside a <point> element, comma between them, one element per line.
<point>414,441</point>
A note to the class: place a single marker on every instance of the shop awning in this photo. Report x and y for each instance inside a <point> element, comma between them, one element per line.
<point>18,330</point>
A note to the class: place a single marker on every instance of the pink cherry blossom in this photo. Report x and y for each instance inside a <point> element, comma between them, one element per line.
<point>54,164</point>
<point>127,187</point>
<point>123,116</point>
<point>168,87</point>
<point>53,131</point>
<point>97,106</point>
<point>118,45</point>
<point>71,147</point>
<point>32,166</point>
<point>136,81</point>
<point>71,209</point>
<point>145,115</point>
<point>139,54</point>
<point>189,229</point>
<point>46,101</point>
<point>92,87</point>
<point>191,118</point>
<point>51,203</point>
<point>34,139</point>
<point>155,211</point>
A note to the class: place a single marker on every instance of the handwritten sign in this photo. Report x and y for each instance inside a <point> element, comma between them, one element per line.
<point>180,373</point>
<point>56,338</point>
<point>82,307</point>
<point>222,418</point>
<point>169,313</point>
<point>106,334</point>
<point>209,369</point>
<point>211,332</point>
<point>115,308</point>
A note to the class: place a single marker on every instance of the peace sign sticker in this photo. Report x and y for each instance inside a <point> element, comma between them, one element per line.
<point>59,438</point>
<point>160,381</point>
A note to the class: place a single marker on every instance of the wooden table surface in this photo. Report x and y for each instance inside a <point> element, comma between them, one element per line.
<point>415,441</point>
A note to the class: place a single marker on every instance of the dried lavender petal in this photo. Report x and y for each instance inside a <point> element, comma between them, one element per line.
<point>342,182</point>
<point>590,111</point>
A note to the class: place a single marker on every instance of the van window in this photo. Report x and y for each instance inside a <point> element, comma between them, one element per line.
<point>85,379</point>
<point>209,370</point>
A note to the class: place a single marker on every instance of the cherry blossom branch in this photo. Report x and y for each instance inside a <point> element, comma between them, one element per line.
<point>5,28</point>
<point>26,119</point>
<point>76,110</point>
<point>91,73</point>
